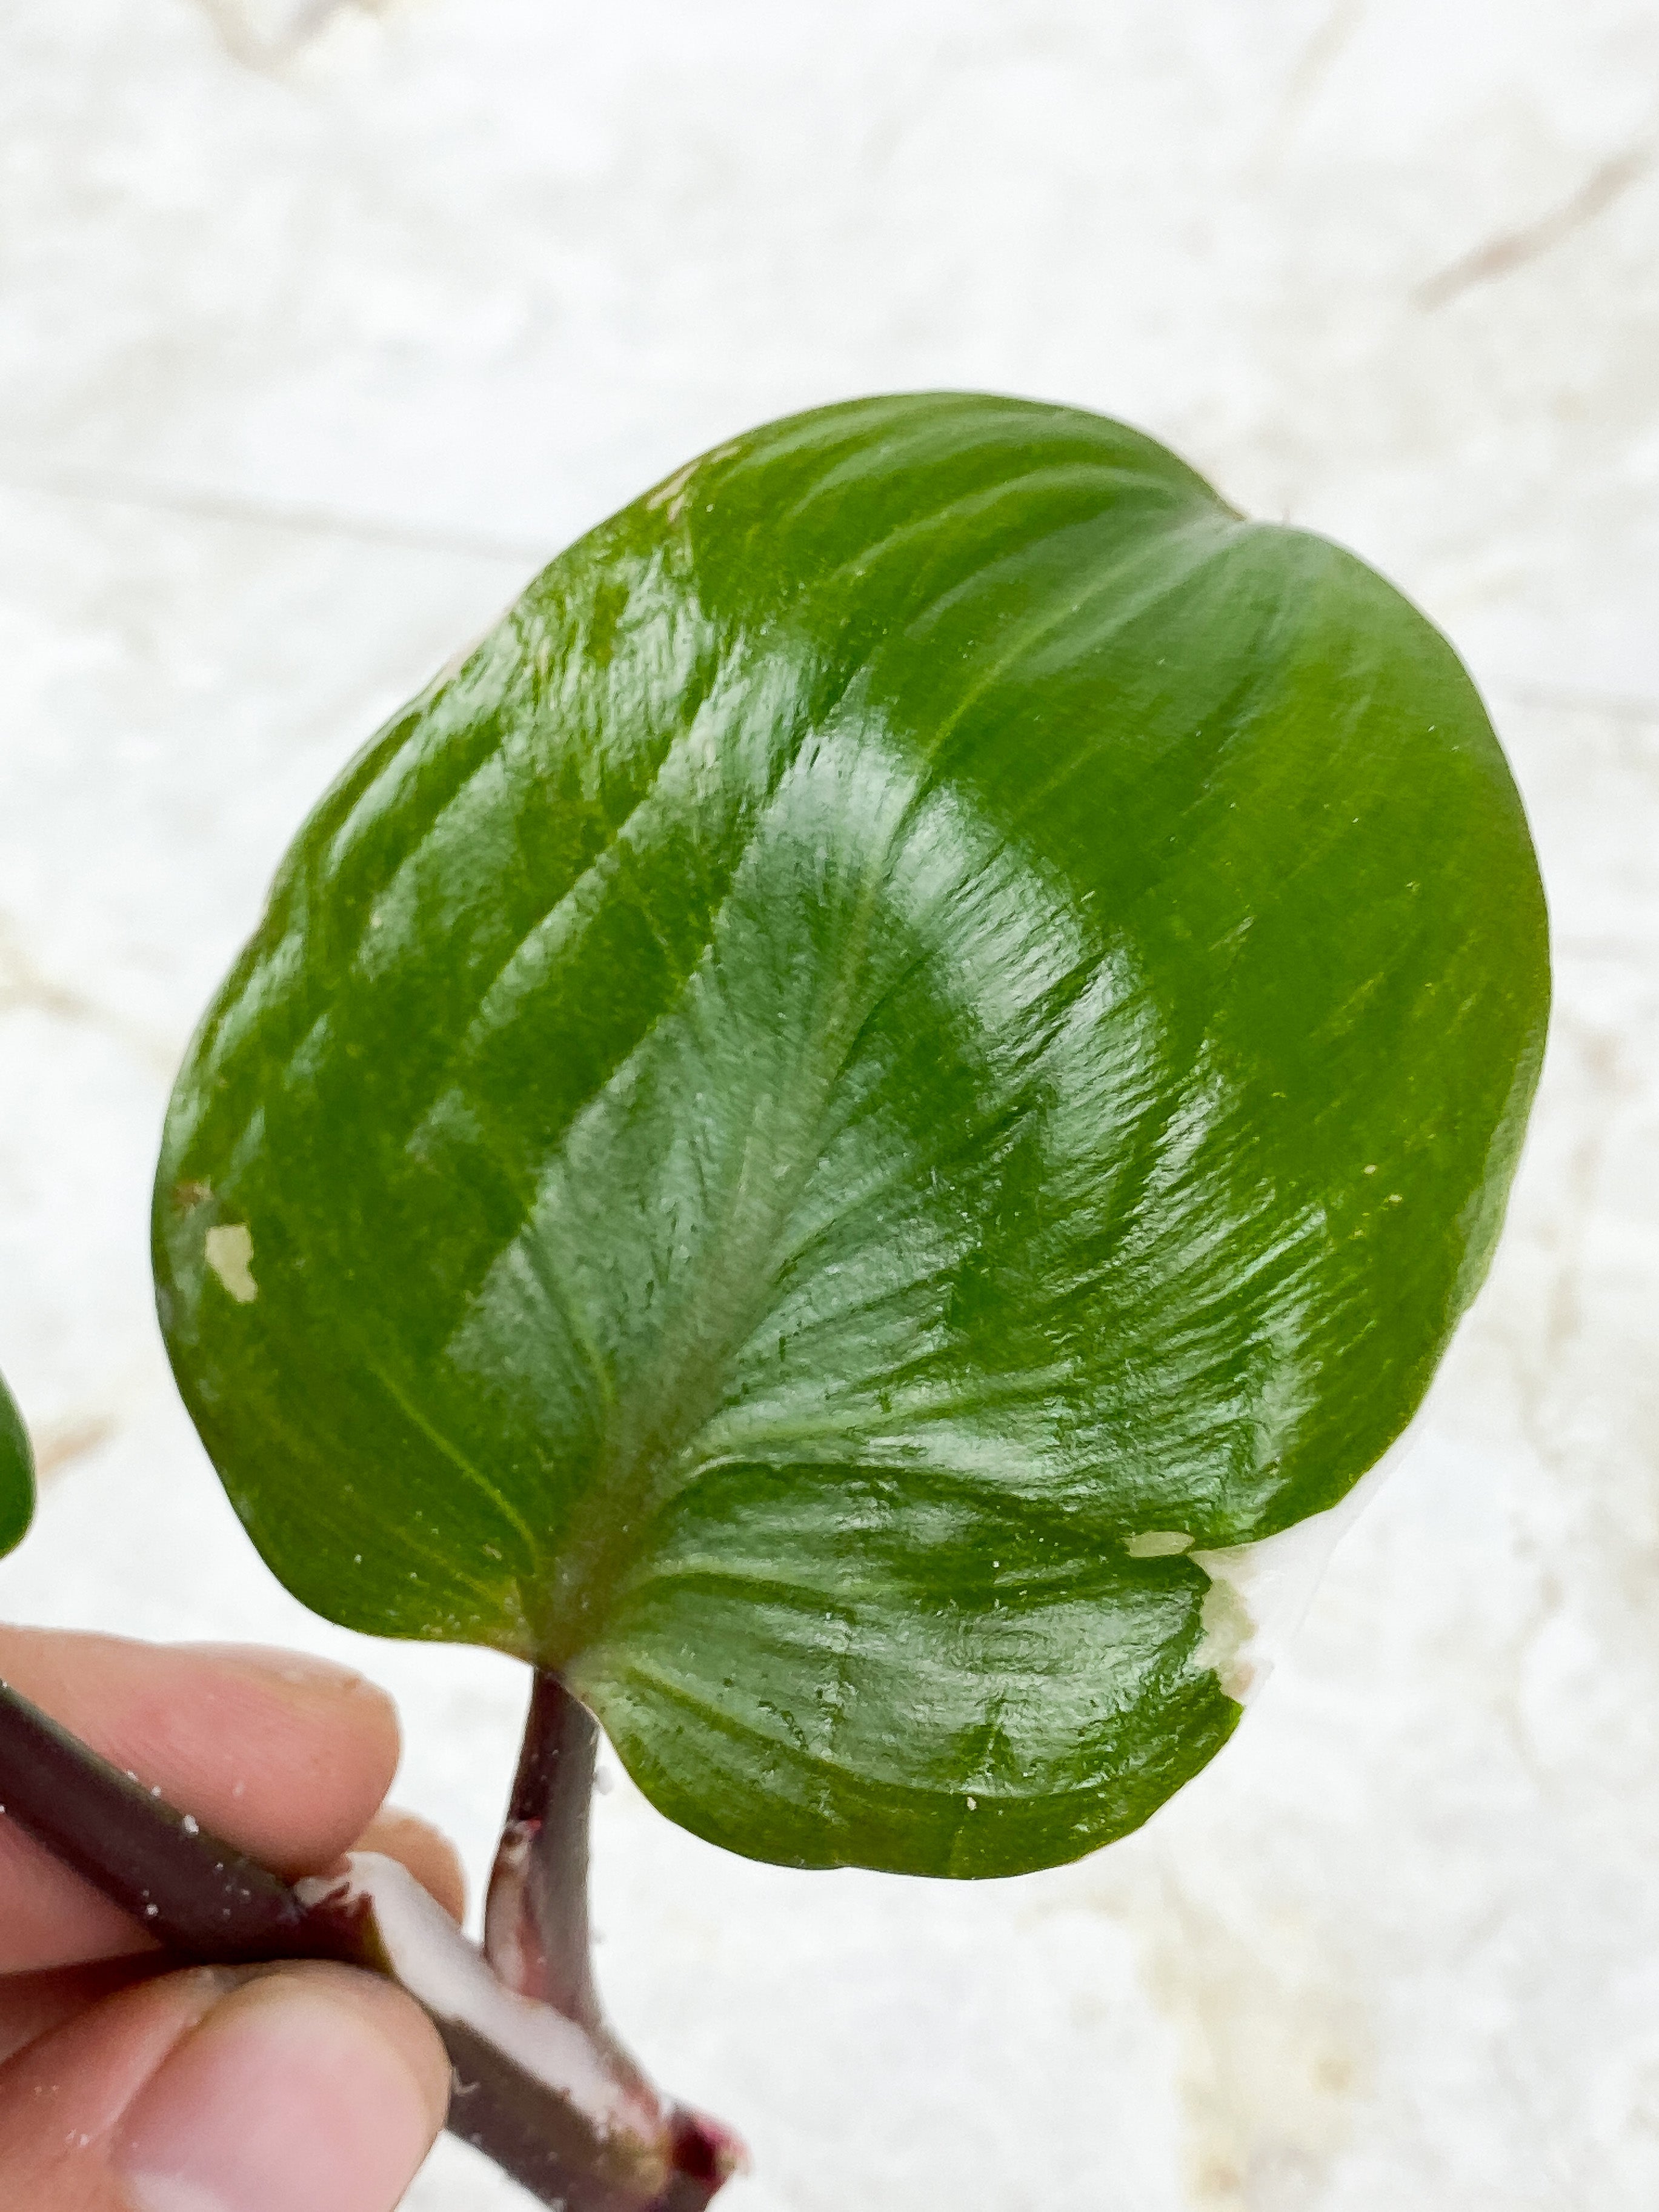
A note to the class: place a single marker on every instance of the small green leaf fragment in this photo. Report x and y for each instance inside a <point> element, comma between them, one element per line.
<point>17,1474</point>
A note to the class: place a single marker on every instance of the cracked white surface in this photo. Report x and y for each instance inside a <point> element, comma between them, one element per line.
<point>318,326</point>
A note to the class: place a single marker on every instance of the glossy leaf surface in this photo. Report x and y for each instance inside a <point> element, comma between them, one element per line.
<point>16,1474</point>
<point>931,1006</point>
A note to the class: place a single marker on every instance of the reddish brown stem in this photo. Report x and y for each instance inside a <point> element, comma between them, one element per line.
<point>536,1925</point>
<point>198,1895</point>
<point>536,1931</point>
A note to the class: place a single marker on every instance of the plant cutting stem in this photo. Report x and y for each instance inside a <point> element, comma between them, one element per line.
<point>540,2084</point>
<point>536,1941</point>
<point>195,1895</point>
<point>536,1931</point>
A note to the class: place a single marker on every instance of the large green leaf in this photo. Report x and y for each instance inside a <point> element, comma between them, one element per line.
<point>16,1474</point>
<point>932,1004</point>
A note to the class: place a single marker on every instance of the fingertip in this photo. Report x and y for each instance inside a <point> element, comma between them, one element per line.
<point>358,1716</point>
<point>82,2072</point>
<point>291,1753</point>
<point>311,2088</point>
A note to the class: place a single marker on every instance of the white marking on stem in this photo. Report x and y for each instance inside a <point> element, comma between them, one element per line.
<point>447,1974</point>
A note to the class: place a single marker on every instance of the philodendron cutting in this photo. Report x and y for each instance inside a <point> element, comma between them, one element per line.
<point>926,1041</point>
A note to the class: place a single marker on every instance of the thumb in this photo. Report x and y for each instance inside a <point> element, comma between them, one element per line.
<point>299,2088</point>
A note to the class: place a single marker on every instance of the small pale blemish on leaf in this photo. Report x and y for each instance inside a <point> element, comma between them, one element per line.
<point>230,1253</point>
<point>671,494</point>
<point>1228,1629</point>
<point>1159,1544</point>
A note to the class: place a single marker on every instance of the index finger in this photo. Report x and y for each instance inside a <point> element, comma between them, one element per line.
<point>285,1756</point>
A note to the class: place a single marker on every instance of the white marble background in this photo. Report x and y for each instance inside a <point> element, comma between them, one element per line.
<point>321,325</point>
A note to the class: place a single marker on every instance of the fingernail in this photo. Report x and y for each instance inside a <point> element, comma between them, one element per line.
<point>302,1670</point>
<point>308,2090</point>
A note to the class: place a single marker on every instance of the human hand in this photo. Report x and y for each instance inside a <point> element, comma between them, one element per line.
<point>125,2086</point>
